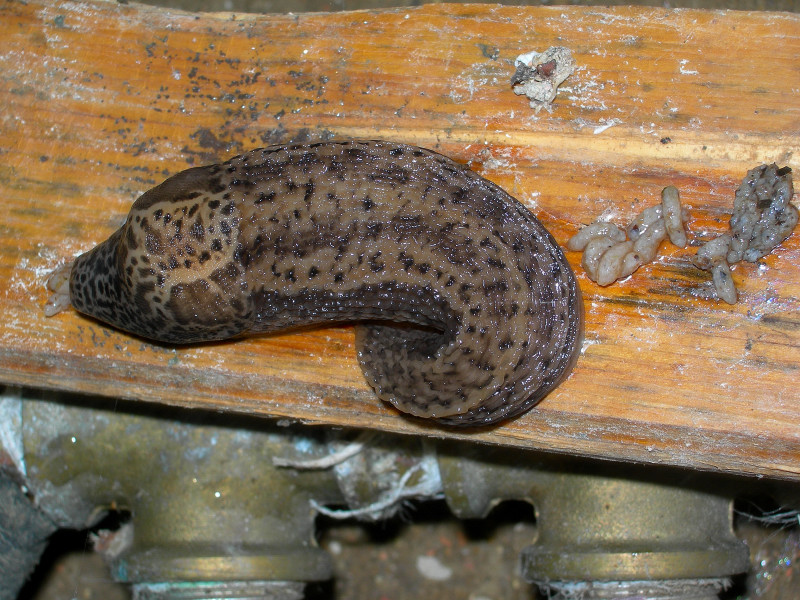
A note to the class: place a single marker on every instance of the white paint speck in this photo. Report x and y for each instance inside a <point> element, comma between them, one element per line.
<point>605,125</point>
<point>684,70</point>
<point>587,343</point>
<point>176,75</point>
<point>335,548</point>
<point>431,568</point>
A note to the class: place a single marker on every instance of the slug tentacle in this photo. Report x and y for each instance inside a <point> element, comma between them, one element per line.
<point>468,311</point>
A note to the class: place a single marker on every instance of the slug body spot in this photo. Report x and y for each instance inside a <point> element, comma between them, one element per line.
<point>468,311</point>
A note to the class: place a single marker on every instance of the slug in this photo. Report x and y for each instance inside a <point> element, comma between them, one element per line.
<point>466,310</point>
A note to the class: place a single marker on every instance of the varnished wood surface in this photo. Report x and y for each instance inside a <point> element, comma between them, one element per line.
<point>101,101</point>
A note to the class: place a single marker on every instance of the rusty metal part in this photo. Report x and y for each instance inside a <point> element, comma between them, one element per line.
<point>206,501</point>
<point>617,524</point>
<point>224,506</point>
<point>228,590</point>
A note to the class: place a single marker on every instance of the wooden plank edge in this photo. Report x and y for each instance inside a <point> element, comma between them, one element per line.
<point>599,438</point>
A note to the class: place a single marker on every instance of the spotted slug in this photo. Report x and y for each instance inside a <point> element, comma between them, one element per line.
<point>466,310</point>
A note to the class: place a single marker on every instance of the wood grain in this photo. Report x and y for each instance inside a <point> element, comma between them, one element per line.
<point>102,101</point>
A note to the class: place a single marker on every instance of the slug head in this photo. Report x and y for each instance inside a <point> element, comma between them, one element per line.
<point>163,275</point>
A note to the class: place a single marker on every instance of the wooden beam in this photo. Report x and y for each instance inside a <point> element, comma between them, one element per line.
<point>101,101</point>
